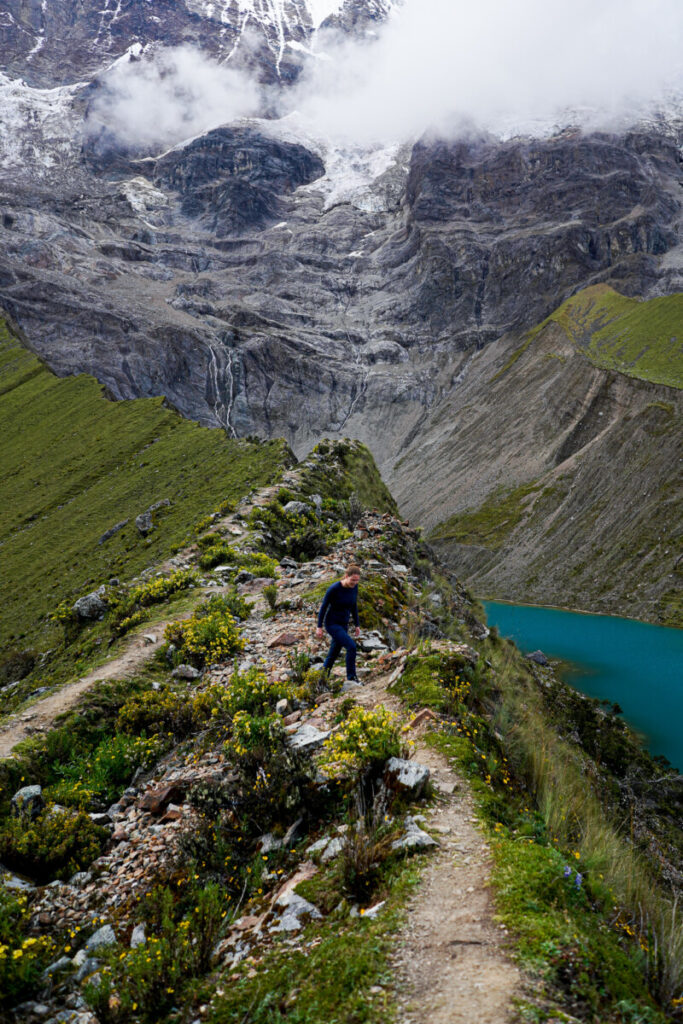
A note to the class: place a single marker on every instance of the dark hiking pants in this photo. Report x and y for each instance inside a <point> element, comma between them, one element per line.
<point>340,638</point>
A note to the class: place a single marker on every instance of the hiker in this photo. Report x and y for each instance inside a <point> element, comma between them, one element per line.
<point>339,604</point>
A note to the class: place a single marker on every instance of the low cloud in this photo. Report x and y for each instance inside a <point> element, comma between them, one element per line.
<point>169,95</point>
<point>503,65</point>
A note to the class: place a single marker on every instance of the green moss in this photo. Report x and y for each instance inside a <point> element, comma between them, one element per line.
<point>491,524</point>
<point>74,464</point>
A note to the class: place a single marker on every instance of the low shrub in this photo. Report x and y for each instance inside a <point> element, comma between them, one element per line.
<point>98,777</point>
<point>209,635</point>
<point>364,742</point>
<point>157,711</point>
<point>56,845</point>
<point>23,958</point>
<point>127,608</point>
<point>270,594</point>
<point>143,984</point>
<point>216,551</point>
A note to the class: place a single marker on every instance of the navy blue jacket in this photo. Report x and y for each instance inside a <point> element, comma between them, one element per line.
<point>339,604</point>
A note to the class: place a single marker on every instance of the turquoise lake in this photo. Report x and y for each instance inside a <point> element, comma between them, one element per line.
<point>633,664</point>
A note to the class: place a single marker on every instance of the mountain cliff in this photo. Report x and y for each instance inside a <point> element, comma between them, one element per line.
<point>275,284</point>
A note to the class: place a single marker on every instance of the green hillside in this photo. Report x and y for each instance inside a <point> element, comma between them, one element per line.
<point>74,464</point>
<point>642,338</point>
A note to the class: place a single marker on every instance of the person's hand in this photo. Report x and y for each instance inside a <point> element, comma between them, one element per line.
<point>319,633</point>
<point>357,630</point>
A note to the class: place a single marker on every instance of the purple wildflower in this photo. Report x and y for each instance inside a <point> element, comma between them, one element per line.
<point>567,871</point>
<point>578,880</point>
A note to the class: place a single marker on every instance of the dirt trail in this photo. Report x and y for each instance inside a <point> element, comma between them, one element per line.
<point>39,717</point>
<point>450,963</point>
<point>451,966</point>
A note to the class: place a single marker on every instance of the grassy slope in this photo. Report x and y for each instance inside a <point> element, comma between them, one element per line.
<point>74,464</point>
<point>641,338</point>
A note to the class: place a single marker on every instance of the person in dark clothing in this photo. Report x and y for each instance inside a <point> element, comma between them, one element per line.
<point>339,604</point>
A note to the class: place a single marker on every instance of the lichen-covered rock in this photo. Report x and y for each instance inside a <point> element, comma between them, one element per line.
<point>28,801</point>
<point>407,777</point>
<point>101,939</point>
<point>413,838</point>
<point>91,606</point>
<point>307,739</point>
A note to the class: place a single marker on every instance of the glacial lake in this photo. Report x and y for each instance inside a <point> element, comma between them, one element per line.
<point>631,663</point>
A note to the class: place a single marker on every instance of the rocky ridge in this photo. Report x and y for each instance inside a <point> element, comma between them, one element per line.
<point>156,813</point>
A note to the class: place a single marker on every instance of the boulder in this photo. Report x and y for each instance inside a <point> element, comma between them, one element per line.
<point>92,606</point>
<point>372,642</point>
<point>307,739</point>
<point>538,657</point>
<point>28,801</point>
<point>297,508</point>
<point>112,531</point>
<point>297,911</point>
<point>406,777</point>
<point>157,800</point>
<point>145,521</point>
<point>138,938</point>
<point>413,838</point>
<point>185,672</point>
<point>101,939</point>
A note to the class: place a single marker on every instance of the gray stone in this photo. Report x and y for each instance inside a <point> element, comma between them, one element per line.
<point>538,657</point>
<point>371,643</point>
<point>244,576</point>
<point>111,531</point>
<point>317,501</point>
<point>297,911</point>
<point>138,938</point>
<point>15,882</point>
<point>297,508</point>
<point>28,801</point>
<point>406,777</point>
<point>332,850</point>
<point>144,523</point>
<point>80,958</point>
<point>185,672</point>
<point>318,847</point>
<point>307,739</point>
<point>268,843</point>
<point>88,967</point>
<point>373,912</point>
<point>103,937</point>
<point>413,838</point>
<point>58,965</point>
<point>99,817</point>
<point>92,606</point>
<point>283,707</point>
<point>288,563</point>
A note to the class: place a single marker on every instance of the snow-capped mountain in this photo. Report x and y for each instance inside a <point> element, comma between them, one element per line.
<point>269,278</point>
<point>50,44</point>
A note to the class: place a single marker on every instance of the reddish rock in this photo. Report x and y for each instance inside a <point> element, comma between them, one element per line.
<point>285,640</point>
<point>291,719</point>
<point>157,800</point>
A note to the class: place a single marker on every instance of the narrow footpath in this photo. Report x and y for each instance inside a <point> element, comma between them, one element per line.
<point>450,961</point>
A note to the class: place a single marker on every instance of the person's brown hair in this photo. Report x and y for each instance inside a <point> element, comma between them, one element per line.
<point>353,569</point>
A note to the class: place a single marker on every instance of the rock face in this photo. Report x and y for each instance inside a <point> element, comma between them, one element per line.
<point>264,283</point>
